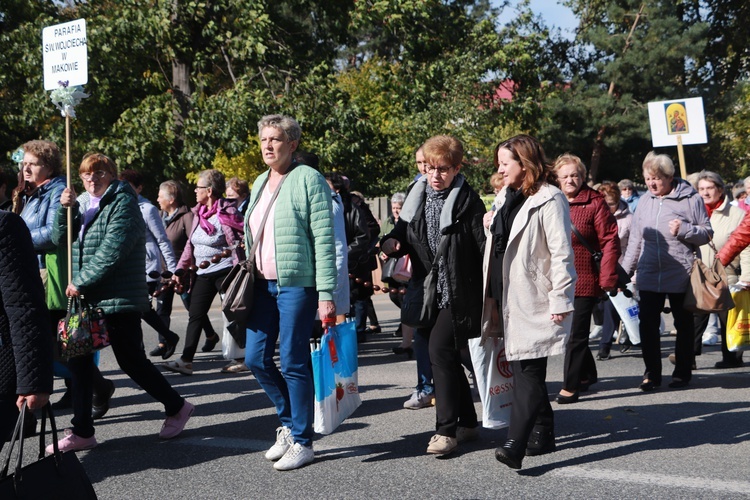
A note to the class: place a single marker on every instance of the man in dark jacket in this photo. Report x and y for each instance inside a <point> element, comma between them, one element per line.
<point>362,231</point>
<point>25,338</point>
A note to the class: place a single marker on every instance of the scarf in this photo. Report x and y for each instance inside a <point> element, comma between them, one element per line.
<point>433,207</point>
<point>225,219</point>
<point>710,208</point>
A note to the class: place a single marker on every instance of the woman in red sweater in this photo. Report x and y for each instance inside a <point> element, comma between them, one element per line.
<point>593,222</point>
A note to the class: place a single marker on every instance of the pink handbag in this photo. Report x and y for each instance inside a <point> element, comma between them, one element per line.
<point>402,271</point>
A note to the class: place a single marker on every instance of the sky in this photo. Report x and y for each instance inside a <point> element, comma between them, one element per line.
<point>554,14</point>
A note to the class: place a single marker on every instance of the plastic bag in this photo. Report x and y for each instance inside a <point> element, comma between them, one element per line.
<point>494,379</point>
<point>738,322</point>
<point>335,366</point>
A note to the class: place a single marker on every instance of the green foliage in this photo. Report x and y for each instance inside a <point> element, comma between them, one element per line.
<point>177,86</point>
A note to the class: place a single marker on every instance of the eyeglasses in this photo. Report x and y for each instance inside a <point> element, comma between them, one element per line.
<point>201,187</point>
<point>99,174</point>
<point>431,169</point>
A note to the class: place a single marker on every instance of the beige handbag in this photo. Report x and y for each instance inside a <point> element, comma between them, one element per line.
<point>708,291</point>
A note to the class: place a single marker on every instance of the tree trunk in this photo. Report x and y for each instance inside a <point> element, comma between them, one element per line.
<point>180,87</point>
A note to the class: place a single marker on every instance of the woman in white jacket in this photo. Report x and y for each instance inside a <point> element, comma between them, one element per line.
<point>529,283</point>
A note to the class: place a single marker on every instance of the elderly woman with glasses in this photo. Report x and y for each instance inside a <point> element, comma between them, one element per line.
<point>109,262</point>
<point>594,229</point>
<point>216,231</point>
<point>440,228</point>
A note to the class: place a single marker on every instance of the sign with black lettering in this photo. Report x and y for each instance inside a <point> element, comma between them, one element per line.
<point>65,54</point>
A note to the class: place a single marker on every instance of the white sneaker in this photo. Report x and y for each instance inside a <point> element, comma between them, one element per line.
<point>282,445</point>
<point>295,457</point>
<point>711,339</point>
<point>596,332</point>
<point>419,400</point>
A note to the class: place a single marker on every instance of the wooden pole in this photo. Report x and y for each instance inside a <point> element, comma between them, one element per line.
<point>681,156</point>
<point>70,209</point>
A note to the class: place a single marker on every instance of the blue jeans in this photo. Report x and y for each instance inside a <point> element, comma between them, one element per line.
<point>424,366</point>
<point>284,314</point>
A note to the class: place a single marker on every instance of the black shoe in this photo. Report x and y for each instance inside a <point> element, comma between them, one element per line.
<point>566,400</point>
<point>677,383</point>
<point>65,402</point>
<point>170,347</point>
<point>398,333</point>
<point>158,350</point>
<point>375,329</point>
<point>648,385</point>
<point>603,355</point>
<point>625,347</point>
<point>510,454</point>
<point>540,442</point>
<point>728,364</point>
<point>210,343</point>
<point>100,402</point>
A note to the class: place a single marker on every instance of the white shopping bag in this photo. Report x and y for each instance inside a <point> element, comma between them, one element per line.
<point>627,308</point>
<point>494,379</point>
<point>335,366</point>
<point>229,348</point>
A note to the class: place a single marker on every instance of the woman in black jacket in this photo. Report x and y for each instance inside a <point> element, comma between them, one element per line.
<point>25,335</point>
<point>442,216</point>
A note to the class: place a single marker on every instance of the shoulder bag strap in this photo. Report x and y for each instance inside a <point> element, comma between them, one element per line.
<point>582,239</point>
<point>259,235</point>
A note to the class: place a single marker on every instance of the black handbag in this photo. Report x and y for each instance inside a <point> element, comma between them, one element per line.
<point>419,308</point>
<point>58,476</point>
<point>386,272</point>
<point>237,287</point>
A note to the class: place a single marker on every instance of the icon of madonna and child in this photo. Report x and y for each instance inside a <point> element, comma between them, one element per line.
<point>676,116</point>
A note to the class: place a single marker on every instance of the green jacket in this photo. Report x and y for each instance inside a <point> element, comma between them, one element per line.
<point>109,261</point>
<point>303,229</point>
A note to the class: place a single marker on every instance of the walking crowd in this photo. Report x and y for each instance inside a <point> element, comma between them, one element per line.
<point>551,253</point>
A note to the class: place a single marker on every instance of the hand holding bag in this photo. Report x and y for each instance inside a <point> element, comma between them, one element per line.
<point>58,476</point>
<point>237,287</point>
<point>708,291</point>
<point>82,331</point>
<point>335,368</point>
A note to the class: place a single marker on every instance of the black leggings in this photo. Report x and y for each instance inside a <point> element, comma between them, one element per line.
<point>205,288</point>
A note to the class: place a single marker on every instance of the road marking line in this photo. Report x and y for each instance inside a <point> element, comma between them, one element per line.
<point>663,480</point>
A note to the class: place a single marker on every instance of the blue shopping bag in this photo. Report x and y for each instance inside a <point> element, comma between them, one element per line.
<point>334,361</point>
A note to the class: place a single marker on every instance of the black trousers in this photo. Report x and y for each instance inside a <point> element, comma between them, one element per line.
<point>155,321</point>
<point>126,337</point>
<point>531,407</point>
<point>164,310</point>
<point>650,307</point>
<point>701,322</point>
<point>579,362</point>
<point>205,288</point>
<point>453,400</point>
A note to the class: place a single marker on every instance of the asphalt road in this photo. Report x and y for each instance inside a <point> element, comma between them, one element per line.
<point>616,442</point>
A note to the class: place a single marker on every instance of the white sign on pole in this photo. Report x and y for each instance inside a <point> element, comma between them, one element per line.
<point>678,117</point>
<point>65,54</point>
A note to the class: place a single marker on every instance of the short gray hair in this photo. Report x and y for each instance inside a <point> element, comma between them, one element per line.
<point>398,198</point>
<point>707,175</point>
<point>215,181</point>
<point>286,124</point>
<point>658,164</point>
<point>626,184</point>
